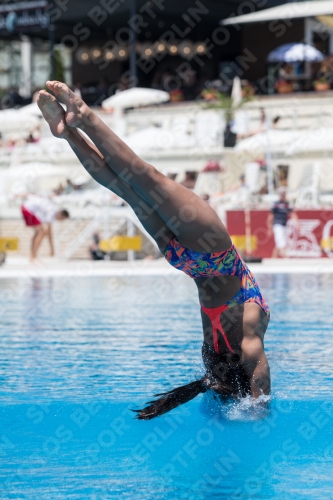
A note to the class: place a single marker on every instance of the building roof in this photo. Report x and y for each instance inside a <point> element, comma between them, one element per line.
<point>285,11</point>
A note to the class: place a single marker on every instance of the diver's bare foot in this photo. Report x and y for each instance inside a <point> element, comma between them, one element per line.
<point>53,113</point>
<point>77,113</point>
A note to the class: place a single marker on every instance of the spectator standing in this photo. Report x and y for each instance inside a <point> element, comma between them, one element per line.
<point>39,213</point>
<point>277,223</point>
<point>94,250</point>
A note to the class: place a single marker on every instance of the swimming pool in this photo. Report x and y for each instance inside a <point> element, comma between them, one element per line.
<point>77,354</point>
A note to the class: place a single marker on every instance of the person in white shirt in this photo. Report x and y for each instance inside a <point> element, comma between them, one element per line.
<point>277,223</point>
<point>39,213</point>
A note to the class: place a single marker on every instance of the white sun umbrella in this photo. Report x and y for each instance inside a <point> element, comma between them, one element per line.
<point>318,140</point>
<point>33,109</point>
<point>291,142</point>
<point>295,52</point>
<point>11,121</point>
<point>30,109</point>
<point>21,120</point>
<point>29,170</point>
<point>26,178</point>
<point>279,139</point>
<point>50,144</point>
<point>133,98</point>
<point>151,138</point>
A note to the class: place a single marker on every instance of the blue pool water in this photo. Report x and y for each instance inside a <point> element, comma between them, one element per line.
<point>77,354</point>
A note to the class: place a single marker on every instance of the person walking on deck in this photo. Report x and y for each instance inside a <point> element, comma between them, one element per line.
<point>39,213</point>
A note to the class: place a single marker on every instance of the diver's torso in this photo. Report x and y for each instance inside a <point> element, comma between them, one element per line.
<point>237,320</point>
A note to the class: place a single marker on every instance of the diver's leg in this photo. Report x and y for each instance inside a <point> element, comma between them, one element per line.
<point>32,247</point>
<point>36,241</point>
<point>195,223</point>
<point>99,170</point>
<point>94,163</point>
<point>275,253</point>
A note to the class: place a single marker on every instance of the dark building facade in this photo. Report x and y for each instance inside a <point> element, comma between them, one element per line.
<point>169,44</point>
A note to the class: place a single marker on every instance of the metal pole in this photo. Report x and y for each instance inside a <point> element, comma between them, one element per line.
<point>269,157</point>
<point>26,58</point>
<point>130,232</point>
<point>270,83</point>
<point>51,43</point>
<point>107,222</point>
<point>133,75</point>
<point>308,38</point>
<point>248,238</point>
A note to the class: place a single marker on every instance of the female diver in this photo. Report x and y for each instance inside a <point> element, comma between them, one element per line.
<point>193,239</point>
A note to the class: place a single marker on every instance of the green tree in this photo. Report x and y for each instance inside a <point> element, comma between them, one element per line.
<point>225,103</point>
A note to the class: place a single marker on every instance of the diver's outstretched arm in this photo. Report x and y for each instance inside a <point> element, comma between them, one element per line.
<point>256,366</point>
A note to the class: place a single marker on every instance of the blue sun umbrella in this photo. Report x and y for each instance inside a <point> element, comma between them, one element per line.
<point>295,52</point>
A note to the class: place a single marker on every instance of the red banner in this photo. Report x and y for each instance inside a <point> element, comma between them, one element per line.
<point>309,236</point>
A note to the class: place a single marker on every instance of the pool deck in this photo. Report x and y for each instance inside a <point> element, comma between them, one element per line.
<point>15,267</point>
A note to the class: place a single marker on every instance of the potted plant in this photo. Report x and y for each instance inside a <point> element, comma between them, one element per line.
<point>321,84</point>
<point>209,94</point>
<point>248,90</point>
<point>176,95</point>
<point>225,103</point>
<point>284,87</point>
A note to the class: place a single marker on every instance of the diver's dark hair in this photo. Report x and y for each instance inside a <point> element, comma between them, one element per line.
<point>225,375</point>
<point>171,399</point>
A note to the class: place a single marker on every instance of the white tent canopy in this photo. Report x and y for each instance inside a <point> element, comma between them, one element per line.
<point>286,11</point>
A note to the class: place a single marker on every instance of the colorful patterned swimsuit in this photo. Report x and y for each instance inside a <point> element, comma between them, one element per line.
<point>207,265</point>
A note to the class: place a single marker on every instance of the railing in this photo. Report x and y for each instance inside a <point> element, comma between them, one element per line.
<point>112,219</point>
<point>307,111</point>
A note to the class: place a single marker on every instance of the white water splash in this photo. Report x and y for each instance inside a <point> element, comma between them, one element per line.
<point>242,410</point>
<point>247,409</point>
